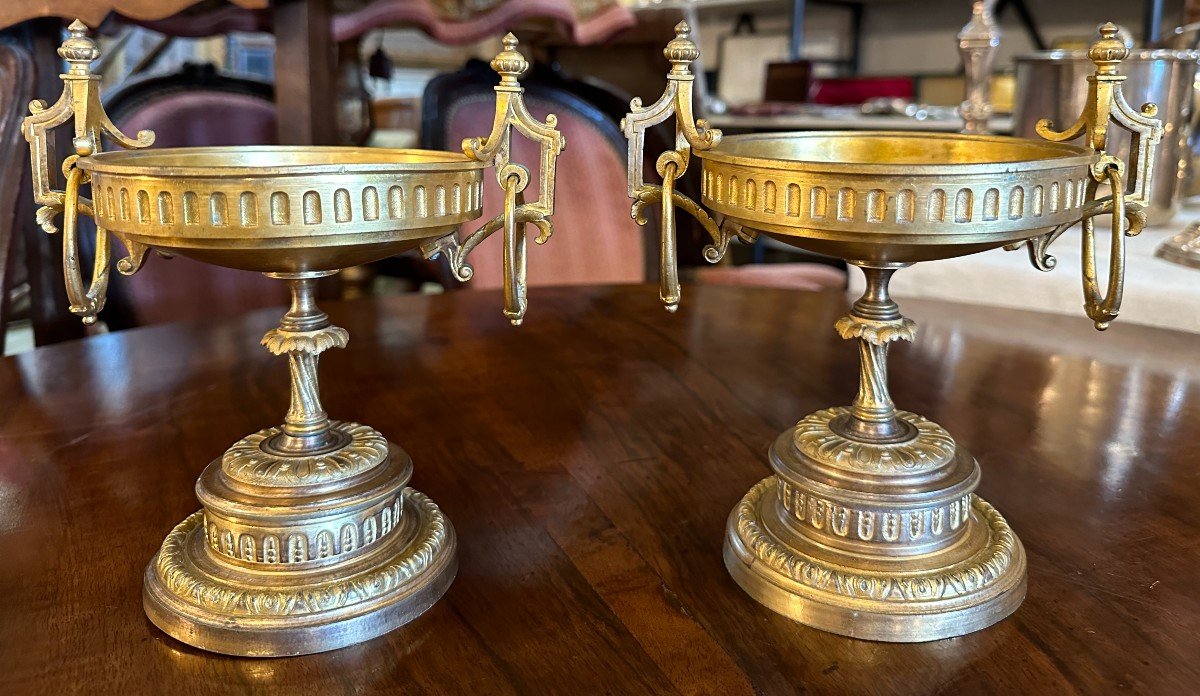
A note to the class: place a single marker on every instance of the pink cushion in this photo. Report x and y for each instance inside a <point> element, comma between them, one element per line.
<point>595,241</point>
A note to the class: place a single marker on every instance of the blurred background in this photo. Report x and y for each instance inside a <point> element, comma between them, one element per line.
<point>413,73</point>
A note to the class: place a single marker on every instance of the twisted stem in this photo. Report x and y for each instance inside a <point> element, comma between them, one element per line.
<point>873,403</point>
<point>303,334</point>
<point>305,414</point>
<point>874,320</point>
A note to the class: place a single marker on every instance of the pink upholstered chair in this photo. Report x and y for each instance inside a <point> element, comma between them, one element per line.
<point>595,241</point>
<point>195,107</point>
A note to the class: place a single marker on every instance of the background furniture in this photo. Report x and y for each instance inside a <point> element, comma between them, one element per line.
<point>196,106</point>
<point>588,461</point>
<point>794,275</point>
<point>846,118</point>
<point>788,81</point>
<point>16,78</point>
<point>308,30</point>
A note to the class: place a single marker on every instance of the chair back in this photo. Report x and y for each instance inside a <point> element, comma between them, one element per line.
<point>196,106</point>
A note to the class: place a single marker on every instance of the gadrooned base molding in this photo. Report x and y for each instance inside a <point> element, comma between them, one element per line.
<point>912,601</point>
<point>252,613</point>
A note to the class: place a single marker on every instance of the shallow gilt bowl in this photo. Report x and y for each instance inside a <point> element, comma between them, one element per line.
<point>895,197</point>
<point>284,209</point>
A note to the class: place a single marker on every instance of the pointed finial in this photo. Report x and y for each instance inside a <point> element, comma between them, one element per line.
<point>1108,51</point>
<point>509,63</point>
<point>681,50</point>
<point>79,50</point>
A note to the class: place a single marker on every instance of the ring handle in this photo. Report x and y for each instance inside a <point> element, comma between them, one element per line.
<point>514,244</point>
<point>80,103</point>
<point>1103,309</point>
<point>690,134</point>
<point>85,303</point>
<point>670,166</point>
<point>1127,203</point>
<point>496,149</point>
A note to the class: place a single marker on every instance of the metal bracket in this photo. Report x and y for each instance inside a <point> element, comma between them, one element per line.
<point>513,177</point>
<point>80,100</point>
<point>690,134</point>
<point>1106,104</point>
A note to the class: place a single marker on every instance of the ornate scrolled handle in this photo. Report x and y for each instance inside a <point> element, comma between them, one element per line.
<point>513,178</point>
<point>80,100</point>
<point>690,135</point>
<point>1106,104</point>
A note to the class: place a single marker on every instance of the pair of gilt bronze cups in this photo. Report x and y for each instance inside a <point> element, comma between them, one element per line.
<point>310,538</point>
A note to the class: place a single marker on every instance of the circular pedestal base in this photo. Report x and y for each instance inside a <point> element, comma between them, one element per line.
<point>228,610</point>
<point>909,601</point>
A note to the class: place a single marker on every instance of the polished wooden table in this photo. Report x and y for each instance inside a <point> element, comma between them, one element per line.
<point>588,460</point>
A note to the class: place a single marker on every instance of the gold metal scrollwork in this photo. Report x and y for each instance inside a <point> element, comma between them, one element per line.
<point>690,135</point>
<point>1106,103</point>
<point>79,100</point>
<point>513,178</point>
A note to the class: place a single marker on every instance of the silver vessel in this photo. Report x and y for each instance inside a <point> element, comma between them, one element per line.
<point>1053,84</point>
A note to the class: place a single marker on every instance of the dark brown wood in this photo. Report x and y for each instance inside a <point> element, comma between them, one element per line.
<point>16,85</point>
<point>304,64</point>
<point>588,460</point>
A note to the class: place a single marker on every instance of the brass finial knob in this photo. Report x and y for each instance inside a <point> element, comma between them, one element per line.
<point>79,50</point>
<point>510,63</point>
<point>681,50</point>
<point>1108,51</point>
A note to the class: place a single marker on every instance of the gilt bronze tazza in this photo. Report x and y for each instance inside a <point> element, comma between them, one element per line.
<point>310,537</point>
<point>869,526</point>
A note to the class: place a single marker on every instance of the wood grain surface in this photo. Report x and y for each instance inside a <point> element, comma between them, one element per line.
<point>588,460</point>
